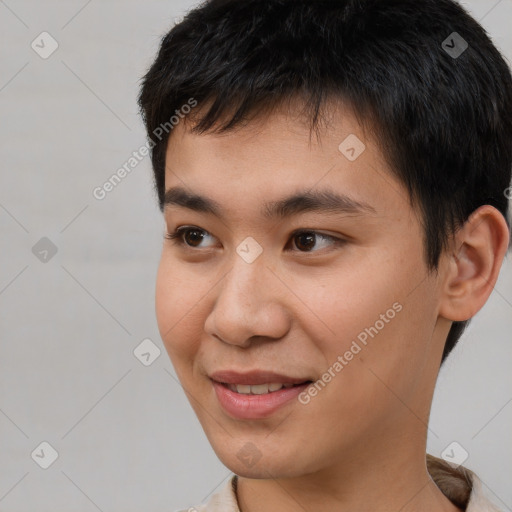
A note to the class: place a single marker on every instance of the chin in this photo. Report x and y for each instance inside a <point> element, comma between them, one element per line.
<point>246,460</point>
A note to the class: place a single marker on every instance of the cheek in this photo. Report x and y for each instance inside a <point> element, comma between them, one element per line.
<point>179,298</point>
<point>377,314</point>
<point>346,300</point>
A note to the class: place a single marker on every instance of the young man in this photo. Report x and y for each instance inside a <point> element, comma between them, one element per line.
<point>310,287</point>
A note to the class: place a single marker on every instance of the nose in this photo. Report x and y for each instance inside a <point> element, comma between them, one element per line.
<point>250,304</point>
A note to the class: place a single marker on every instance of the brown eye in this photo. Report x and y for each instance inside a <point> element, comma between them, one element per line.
<point>193,237</point>
<point>305,241</point>
<point>312,241</point>
<point>188,236</point>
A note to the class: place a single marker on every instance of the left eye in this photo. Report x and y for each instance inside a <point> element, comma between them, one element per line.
<point>305,240</point>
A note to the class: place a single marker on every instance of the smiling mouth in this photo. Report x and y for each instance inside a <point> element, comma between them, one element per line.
<point>257,394</point>
<point>261,389</point>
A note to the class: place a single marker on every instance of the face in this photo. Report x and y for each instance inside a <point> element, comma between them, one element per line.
<point>327,292</point>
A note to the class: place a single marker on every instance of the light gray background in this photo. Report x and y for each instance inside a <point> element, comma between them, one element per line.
<point>126,437</point>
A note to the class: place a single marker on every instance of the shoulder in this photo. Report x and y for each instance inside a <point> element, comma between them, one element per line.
<point>478,501</point>
<point>222,501</point>
<point>460,485</point>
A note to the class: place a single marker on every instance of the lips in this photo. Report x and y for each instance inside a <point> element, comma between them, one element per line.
<point>255,394</point>
<point>256,378</point>
<point>258,389</point>
<point>250,406</point>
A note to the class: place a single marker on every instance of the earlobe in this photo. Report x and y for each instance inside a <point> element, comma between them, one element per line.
<point>474,263</point>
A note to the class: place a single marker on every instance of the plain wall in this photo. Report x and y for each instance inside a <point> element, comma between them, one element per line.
<point>126,437</point>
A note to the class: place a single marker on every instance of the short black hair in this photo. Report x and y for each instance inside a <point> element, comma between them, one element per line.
<point>442,117</point>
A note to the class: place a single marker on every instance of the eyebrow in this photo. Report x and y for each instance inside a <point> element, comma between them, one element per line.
<point>325,200</point>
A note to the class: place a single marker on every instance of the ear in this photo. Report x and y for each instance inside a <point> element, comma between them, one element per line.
<point>473,263</point>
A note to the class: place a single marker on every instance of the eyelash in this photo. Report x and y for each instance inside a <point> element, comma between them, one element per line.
<point>177,237</point>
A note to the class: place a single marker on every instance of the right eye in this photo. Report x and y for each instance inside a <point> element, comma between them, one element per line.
<point>188,236</point>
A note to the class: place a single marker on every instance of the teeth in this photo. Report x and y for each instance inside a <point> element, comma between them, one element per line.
<point>259,389</point>
<point>243,388</point>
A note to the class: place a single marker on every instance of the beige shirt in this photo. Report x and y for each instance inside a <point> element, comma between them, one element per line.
<point>461,486</point>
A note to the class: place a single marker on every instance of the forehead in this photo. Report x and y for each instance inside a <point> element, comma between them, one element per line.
<point>261,162</point>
